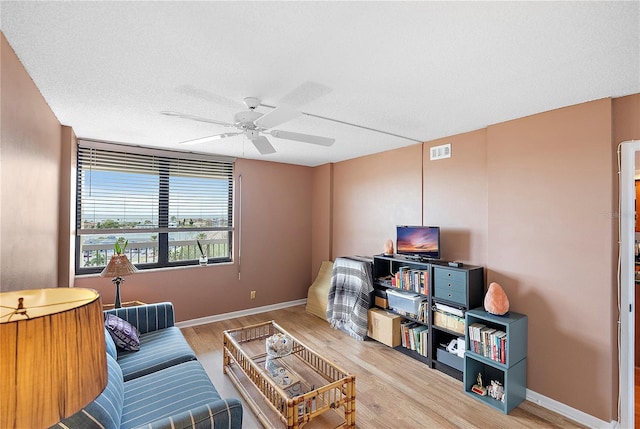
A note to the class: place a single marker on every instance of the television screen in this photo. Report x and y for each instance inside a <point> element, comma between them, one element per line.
<point>418,240</point>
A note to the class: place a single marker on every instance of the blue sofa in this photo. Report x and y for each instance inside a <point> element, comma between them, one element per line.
<point>162,385</point>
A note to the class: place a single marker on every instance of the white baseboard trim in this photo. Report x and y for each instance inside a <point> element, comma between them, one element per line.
<point>569,412</point>
<point>240,313</point>
<point>548,403</point>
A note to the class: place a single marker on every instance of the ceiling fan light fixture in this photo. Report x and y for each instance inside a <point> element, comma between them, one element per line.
<point>252,134</point>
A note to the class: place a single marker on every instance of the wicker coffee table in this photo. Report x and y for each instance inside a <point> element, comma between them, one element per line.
<point>299,389</point>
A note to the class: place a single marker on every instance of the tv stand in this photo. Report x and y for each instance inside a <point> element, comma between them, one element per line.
<point>424,259</point>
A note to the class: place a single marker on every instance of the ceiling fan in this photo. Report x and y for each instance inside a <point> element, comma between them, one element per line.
<point>255,125</point>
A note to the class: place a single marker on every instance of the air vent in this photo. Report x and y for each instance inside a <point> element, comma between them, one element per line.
<point>440,152</point>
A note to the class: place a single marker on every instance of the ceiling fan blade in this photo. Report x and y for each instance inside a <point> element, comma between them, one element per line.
<point>210,138</point>
<point>196,118</point>
<point>203,94</point>
<point>306,138</point>
<point>262,144</point>
<point>277,116</point>
<point>305,93</point>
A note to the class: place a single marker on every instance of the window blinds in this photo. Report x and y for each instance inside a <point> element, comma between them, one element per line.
<point>126,189</point>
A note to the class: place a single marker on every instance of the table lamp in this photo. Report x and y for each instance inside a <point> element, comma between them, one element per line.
<point>118,267</point>
<point>53,356</point>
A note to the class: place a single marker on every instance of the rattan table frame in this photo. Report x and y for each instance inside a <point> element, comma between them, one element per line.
<point>339,390</point>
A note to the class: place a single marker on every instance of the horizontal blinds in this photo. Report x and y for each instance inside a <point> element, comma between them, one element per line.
<point>124,190</point>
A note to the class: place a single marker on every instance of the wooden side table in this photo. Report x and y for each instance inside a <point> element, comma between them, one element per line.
<point>124,304</point>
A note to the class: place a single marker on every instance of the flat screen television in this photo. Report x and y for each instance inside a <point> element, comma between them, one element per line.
<point>421,241</point>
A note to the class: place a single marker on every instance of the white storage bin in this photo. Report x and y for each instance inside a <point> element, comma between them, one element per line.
<point>404,301</point>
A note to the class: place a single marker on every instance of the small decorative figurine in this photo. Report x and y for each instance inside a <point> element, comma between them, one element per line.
<point>478,388</point>
<point>496,391</point>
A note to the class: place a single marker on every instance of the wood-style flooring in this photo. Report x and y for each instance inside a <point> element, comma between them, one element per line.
<point>392,390</point>
<point>637,394</point>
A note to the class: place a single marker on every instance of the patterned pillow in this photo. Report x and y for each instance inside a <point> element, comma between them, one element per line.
<point>124,334</point>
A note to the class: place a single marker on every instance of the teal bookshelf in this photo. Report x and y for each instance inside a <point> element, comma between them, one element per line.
<point>502,361</point>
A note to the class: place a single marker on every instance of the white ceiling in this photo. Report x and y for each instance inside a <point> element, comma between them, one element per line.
<point>421,70</point>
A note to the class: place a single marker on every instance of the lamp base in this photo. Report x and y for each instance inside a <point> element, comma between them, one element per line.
<point>117,281</point>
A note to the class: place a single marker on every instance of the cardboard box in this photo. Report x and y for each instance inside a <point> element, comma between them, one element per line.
<point>384,327</point>
<point>449,321</point>
<point>381,302</point>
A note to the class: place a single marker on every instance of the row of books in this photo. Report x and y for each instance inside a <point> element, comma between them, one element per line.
<point>413,280</point>
<point>414,336</point>
<point>488,342</point>
<point>423,312</point>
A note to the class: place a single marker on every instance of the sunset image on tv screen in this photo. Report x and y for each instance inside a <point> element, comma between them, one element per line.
<point>417,240</point>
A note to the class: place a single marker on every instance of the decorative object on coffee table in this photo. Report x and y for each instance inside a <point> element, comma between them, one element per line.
<point>118,267</point>
<point>278,345</point>
<point>496,301</point>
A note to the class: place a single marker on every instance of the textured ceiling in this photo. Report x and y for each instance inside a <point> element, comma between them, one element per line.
<point>419,70</point>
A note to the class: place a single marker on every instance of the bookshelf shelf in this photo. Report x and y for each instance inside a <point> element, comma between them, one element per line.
<point>503,361</point>
<point>434,283</point>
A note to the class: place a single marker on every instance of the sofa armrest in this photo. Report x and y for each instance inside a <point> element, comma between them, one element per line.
<point>220,414</point>
<point>147,317</point>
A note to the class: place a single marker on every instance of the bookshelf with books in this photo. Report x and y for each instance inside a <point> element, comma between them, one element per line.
<point>406,285</point>
<point>419,292</point>
<point>496,351</point>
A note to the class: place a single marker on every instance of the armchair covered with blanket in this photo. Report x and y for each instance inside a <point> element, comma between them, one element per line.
<point>349,296</point>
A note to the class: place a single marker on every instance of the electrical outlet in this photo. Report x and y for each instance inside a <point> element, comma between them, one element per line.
<point>253,294</point>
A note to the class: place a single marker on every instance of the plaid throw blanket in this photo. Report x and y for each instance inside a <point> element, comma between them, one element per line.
<point>349,296</point>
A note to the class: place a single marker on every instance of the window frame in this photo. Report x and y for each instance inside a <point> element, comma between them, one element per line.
<point>163,230</point>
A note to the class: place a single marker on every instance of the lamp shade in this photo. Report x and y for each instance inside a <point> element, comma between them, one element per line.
<point>53,355</point>
<point>118,266</point>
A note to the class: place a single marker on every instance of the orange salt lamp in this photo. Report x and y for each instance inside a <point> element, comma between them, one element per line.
<point>388,248</point>
<point>496,301</point>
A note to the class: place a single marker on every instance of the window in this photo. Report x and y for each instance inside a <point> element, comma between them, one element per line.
<point>162,202</point>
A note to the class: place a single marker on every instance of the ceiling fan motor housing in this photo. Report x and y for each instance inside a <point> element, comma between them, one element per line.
<point>246,118</point>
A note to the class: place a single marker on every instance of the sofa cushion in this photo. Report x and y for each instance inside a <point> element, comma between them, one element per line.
<point>124,334</point>
<point>166,393</point>
<point>106,410</point>
<point>158,350</point>
<point>147,317</point>
<point>111,346</point>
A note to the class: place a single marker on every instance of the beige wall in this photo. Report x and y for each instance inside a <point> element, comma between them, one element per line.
<point>67,206</point>
<point>532,200</point>
<point>373,194</point>
<point>550,246</point>
<point>273,217</point>
<point>30,144</point>
<point>321,224</point>
<point>455,197</point>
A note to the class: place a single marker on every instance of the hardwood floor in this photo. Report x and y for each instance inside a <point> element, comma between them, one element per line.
<point>637,394</point>
<point>392,390</point>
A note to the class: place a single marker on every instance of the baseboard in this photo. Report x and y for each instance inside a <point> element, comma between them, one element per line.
<point>240,313</point>
<point>569,412</point>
